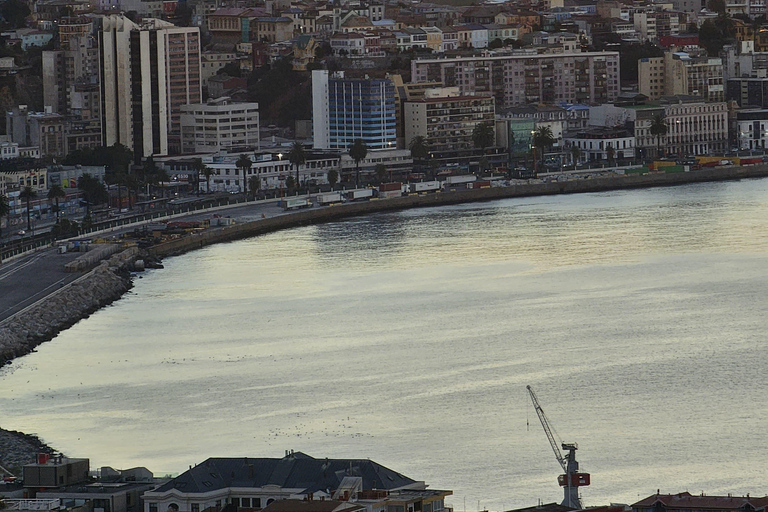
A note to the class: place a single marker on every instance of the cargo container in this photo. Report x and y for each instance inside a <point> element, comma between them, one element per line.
<point>363,194</point>
<point>389,194</point>
<point>457,180</point>
<point>329,198</point>
<point>295,203</point>
<point>388,187</point>
<point>424,186</point>
<point>479,184</point>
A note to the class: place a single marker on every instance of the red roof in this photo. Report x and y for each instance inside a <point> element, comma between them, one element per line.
<point>688,501</point>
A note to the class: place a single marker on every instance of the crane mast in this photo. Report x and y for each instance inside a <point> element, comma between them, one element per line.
<point>572,479</point>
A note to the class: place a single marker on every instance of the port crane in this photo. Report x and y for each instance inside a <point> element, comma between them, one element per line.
<point>572,479</point>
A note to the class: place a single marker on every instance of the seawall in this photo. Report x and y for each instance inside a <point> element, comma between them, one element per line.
<point>337,212</point>
<point>43,320</point>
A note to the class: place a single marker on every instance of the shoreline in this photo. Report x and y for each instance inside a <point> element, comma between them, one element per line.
<point>339,212</point>
<point>21,333</point>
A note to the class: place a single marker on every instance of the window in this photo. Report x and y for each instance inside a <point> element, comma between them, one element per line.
<point>153,507</point>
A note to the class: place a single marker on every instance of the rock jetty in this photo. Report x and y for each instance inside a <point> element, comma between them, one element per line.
<point>40,322</point>
<point>18,449</point>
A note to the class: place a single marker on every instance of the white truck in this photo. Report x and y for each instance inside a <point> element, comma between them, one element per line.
<point>296,203</point>
<point>363,194</point>
<point>425,186</point>
<point>458,180</point>
<point>329,198</point>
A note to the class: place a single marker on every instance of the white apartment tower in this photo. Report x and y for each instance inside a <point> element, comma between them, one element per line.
<point>148,72</point>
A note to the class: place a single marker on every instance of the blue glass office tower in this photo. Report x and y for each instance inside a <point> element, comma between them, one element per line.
<point>346,109</point>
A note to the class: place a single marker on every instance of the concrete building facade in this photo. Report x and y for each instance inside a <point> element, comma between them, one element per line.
<point>695,127</point>
<point>528,77</point>
<point>148,72</point>
<point>446,119</point>
<point>219,125</point>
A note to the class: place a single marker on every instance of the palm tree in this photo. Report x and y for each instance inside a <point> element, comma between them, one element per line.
<point>55,193</point>
<point>199,167</point>
<point>659,129</point>
<point>297,157</point>
<point>207,172</point>
<point>358,151</point>
<point>575,154</point>
<point>419,149</point>
<point>244,163</point>
<point>28,193</point>
<point>542,139</point>
<point>5,209</point>
<point>254,184</point>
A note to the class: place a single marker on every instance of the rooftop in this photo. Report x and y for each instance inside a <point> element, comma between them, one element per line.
<point>294,471</point>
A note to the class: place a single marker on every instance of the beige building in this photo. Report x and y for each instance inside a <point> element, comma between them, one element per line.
<point>695,127</point>
<point>219,125</point>
<point>528,77</point>
<point>679,73</point>
<point>149,71</point>
<point>446,119</point>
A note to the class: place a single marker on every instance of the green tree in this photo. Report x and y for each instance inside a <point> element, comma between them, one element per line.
<point>358,151</point>
<point>658,129</point>
<point>290,183</point>
<point>254,184</point>
<point>297,157</point>
<point>381,172</point>
<point>28,193</point>
<point>15,13</point>
<point>207,172</point>
<point>610,153</point>
<point>575,154</point>
<point>495,44</point>
<point>543,139</point>
<point>483,135</point>
<point>333,177</point>
<point>5,209</point>
<point>244,163</point>
<point>717,6</point>
<point>199,167</point>
<point>419,149</point>
<point>54,194</point>
<point>94,191</point>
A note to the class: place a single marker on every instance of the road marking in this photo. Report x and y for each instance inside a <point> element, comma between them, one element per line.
<point>30,300</point>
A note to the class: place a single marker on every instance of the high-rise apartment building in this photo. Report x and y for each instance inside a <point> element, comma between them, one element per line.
<point>680,73</point>
<point>71,88</point>
<point>148,72</point>
<point>527,77</point>
<point>446,119</point>
<point>344,110</point>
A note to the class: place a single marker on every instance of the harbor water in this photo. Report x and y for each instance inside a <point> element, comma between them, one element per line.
<point>638,317</point>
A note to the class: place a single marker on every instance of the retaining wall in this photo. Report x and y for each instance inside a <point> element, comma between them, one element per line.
<point>337,212</point>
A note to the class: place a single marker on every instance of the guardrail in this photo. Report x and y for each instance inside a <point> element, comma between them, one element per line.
<point>23,246</point>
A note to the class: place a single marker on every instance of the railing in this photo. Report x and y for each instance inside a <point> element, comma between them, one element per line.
<point>31,504</point>
<point>17,247</point>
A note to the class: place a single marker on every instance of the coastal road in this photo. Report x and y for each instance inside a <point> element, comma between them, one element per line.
<point>32,277</point>
<point>29,278</point>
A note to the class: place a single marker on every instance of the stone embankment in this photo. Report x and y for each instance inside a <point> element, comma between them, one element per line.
<point>18,449</point>
<point>332,213</point>
<point>41,321</point>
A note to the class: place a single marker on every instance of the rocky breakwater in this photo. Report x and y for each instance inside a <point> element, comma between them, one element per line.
<point>43,320</point>
<point>18,449</point>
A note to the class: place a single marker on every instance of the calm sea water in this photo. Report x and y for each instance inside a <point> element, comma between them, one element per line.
<point>639,317</point>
